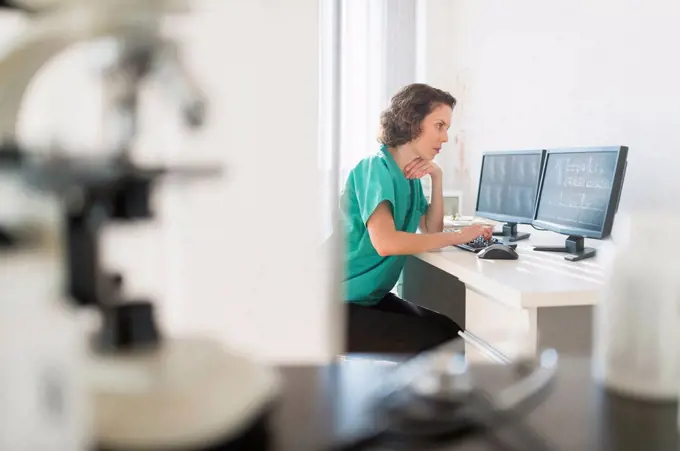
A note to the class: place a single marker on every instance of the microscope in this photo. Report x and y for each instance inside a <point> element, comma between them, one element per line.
<point>117,383</point>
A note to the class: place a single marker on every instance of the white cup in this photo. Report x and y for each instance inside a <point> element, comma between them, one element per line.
<point>637,319</point>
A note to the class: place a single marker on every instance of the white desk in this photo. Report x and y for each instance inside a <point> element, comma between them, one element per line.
<point>540,296</point>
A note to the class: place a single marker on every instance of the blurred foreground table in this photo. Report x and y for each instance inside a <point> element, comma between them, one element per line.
<point>322,404</point>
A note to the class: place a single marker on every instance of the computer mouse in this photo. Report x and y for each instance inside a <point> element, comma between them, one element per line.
<point>498,252</point>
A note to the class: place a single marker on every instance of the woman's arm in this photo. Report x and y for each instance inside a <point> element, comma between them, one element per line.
<point>433,221</point>
<point>388,241</point>
<point>434,218</point>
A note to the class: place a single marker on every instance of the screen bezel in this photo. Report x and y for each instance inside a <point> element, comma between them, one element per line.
<point>612,203</point>
<point>498,216</point>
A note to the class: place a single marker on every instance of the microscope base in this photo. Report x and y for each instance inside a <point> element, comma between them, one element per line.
<point>187,395</point>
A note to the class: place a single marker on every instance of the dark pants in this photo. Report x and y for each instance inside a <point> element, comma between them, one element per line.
<point>396,326</point>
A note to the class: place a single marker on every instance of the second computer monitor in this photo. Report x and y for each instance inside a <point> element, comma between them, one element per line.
<point>579,195</point>
<point>508,184</point>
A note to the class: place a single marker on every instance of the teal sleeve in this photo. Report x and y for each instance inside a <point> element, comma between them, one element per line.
<point>372,186</point>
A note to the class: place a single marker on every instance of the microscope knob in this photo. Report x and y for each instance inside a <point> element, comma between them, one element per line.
<point>10,154</point>
<point>6,239</point>
<point>128,327</point>
<point>132,198</point>
<point>447,378</point>
<point>8,4</point>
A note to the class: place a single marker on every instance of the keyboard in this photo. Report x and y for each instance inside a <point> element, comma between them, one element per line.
<point>480,243</point>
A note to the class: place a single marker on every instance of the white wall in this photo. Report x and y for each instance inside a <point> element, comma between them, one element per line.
<point>234,258</point>
<point>536,74</point>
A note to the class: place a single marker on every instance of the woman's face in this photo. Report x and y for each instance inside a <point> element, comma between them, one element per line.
<point>434,132</point>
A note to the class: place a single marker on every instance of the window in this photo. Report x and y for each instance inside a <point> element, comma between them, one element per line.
<point>377,56</point>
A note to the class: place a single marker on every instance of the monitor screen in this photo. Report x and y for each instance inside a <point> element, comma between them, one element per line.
<point>508,184</point>
<point>579,188</point>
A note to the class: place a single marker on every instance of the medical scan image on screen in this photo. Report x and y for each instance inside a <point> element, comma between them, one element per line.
<point>576,189</point>
<point>508,184</point>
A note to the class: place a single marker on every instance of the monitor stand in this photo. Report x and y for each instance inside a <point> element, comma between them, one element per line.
<point>574,246</point>
<point>510,233</point>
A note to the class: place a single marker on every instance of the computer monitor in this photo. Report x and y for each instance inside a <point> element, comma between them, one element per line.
<point>579,195</point>
<point>508,184</point>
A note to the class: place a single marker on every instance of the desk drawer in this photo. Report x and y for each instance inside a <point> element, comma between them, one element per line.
<point>497,328</point>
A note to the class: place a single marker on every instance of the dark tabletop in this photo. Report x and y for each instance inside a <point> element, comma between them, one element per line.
<point>320,406</point>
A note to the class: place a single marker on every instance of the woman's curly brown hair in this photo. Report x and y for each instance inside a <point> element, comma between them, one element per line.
<point>401,122</point>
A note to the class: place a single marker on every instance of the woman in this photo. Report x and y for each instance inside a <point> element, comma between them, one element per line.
<point>383,206</point>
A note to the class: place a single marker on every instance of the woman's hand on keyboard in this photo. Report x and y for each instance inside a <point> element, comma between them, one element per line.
<point>472,232</point>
